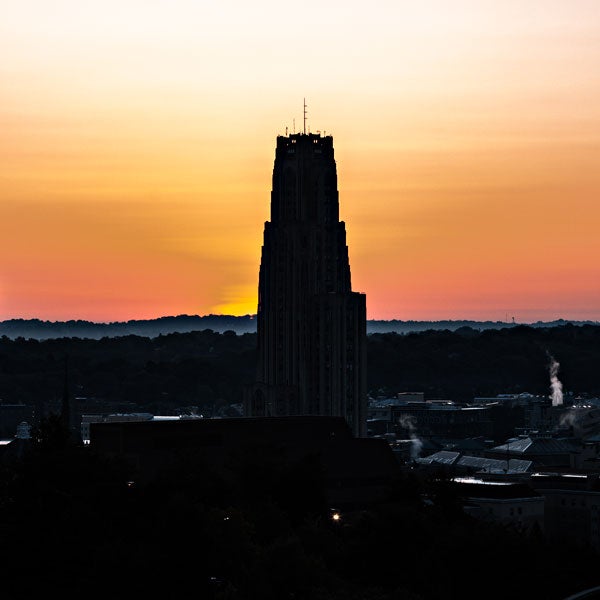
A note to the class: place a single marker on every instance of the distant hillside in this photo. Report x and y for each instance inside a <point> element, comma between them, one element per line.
<point>413,326</point>
<point>41,330</point>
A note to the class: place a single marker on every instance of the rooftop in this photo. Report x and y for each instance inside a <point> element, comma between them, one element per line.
<point>536,445</point>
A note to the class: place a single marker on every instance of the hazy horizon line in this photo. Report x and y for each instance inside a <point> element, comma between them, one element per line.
<point>252,316</point>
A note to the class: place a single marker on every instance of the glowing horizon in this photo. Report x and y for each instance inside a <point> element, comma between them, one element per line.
<point>138,145</point>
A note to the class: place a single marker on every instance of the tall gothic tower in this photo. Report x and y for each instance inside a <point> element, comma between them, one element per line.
<point>311,325</point>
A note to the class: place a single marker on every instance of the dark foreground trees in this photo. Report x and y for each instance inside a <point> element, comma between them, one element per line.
<point>74,525</point>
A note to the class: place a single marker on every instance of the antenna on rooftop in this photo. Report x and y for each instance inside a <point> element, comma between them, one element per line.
<point>304,116</point>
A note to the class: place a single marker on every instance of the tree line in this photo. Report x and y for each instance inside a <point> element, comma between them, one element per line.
<point>209,370</point>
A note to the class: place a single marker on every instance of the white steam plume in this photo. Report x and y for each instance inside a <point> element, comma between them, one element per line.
<point>555,384</point>
<point>408,422</point>
<point>568,419</point>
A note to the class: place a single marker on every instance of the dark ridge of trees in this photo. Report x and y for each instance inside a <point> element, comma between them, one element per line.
<point>41,330</point>
<point>209,369</point>
<point>73,523</point>
<point>467,363</point>
<point>157,374</point>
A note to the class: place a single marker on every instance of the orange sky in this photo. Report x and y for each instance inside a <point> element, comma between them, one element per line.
<point>137,144</point>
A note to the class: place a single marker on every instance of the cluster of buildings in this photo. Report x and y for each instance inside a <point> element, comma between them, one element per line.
<point>545,476</point>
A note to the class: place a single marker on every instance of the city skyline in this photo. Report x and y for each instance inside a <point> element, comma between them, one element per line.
<point>137,149</point>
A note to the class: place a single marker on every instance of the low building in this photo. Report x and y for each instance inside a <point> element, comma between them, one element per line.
<point>11,415</point>
<point>544,451</point>
<point>87,420</point>
<point>513,504</point>
<point>353,472</point>
<point>572,507</point>
<point>455,463</point>
<point>442,420</point>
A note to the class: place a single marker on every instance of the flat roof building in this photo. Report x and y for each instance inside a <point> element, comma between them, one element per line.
<point>353,471</point>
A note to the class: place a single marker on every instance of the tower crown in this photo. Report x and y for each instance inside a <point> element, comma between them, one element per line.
<point>305,180</point>
<point>311,143</point>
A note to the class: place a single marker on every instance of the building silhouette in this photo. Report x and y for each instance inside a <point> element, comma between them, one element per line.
<point>311,325</point>
<point>351,473</point>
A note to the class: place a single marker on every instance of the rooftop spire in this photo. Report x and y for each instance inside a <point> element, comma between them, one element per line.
<point>304,116</point>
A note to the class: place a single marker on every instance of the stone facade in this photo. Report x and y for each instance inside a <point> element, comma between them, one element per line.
<point>311,325</point>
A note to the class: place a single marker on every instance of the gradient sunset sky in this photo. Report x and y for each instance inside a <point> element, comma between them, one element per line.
<point>137,142</point>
